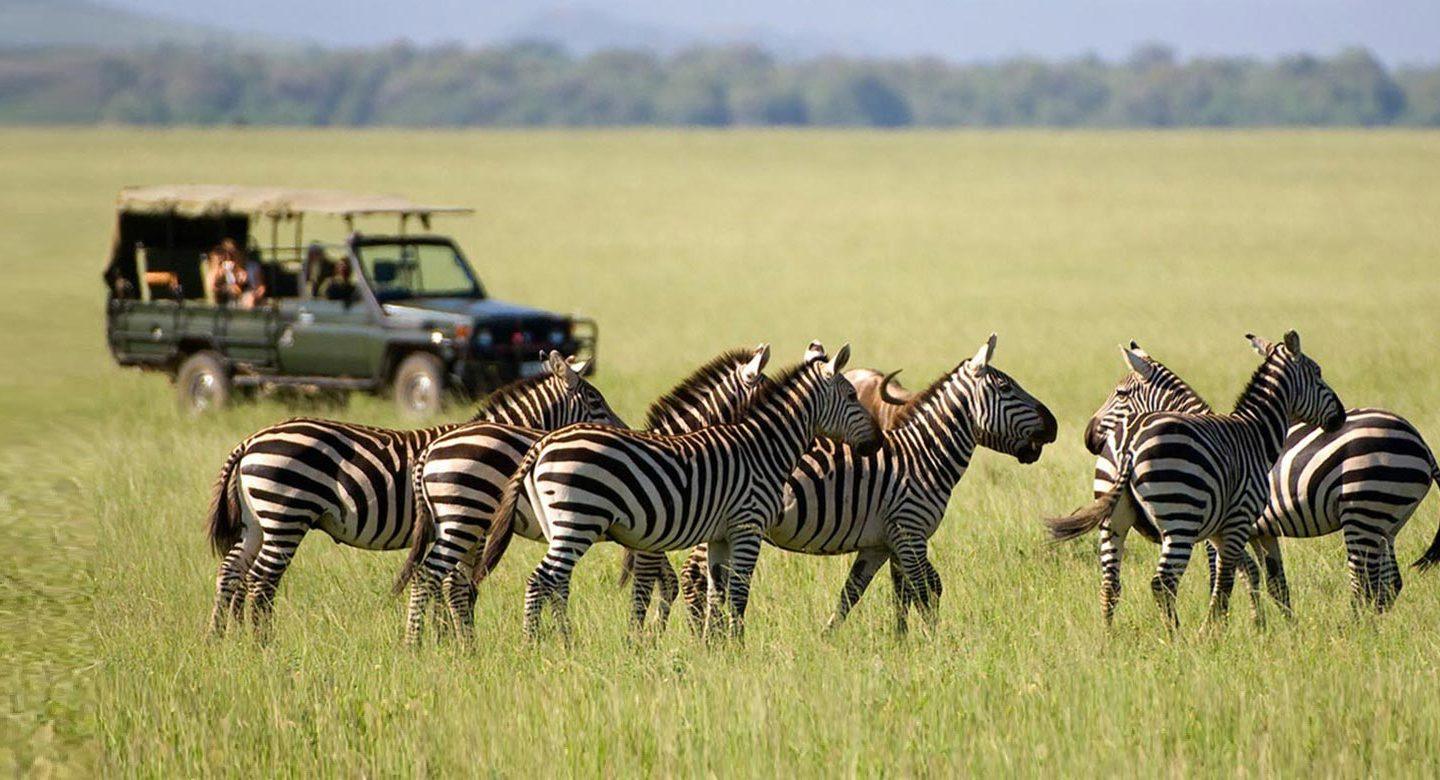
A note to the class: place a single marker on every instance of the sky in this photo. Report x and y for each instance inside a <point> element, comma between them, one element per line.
<point>1397,31</point>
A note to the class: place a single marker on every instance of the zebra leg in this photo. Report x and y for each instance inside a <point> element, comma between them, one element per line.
<point>1112,553</point>
<point>744,553</point>
<point>1175,549</point>
<point>550,583</point>
<point>930,600</point>
<point>424,587</point>
<point>643,578</point>
<point>718,563</point>
<point>1268,548</point>
<point>909,574</point>
<point>902,596</point>
<point>1212,562</point>
<point>694,585</point>
<point>230,581</point>
<point>1252,582</point>
<point>458,591</point>
<point>669,590</point>
<point>1390,582</point>
<point>866,564</point>
<point>277,547</point>
<point>1364,559</point>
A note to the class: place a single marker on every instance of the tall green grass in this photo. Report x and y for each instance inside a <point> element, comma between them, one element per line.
<point>911,246</point>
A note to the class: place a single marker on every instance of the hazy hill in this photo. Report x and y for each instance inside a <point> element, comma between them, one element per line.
<point>26,24</point>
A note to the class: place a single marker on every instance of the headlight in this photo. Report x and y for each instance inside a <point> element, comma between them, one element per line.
<point>484,338</point>
<point>557,337</point>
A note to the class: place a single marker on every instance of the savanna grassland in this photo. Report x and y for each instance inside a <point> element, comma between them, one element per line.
<point>913,247</point>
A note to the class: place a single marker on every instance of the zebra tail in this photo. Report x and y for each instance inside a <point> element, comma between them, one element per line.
<point>422,536</point>
<point>1089,517</point>
<point>627,567</point>
<point>502,527</point>
<point>225,523</point>
<point>1432,555</point>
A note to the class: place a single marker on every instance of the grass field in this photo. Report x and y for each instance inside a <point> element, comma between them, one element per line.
<point>911,246</point>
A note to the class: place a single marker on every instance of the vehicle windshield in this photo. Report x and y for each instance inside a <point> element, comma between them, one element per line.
<point>414,270</point>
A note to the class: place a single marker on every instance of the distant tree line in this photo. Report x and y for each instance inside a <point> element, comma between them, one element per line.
<point>538,84</point>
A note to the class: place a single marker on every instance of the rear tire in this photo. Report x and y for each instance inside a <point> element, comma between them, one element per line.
<point>419,386</point>
<point>203,383</point>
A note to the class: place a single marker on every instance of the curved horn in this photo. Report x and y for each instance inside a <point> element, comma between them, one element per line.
<point>885,389</point>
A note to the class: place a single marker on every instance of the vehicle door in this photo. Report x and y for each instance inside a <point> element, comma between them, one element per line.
<point>320,337</point>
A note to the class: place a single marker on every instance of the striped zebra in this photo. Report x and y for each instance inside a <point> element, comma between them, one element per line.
<point>878,392</point>
<point>885,505</point>
<point>652,492</point>
<point>1203,476</point>
<point>350,481</point>
<point>1373,472</point>
<point>1364,481</point>
<point>459,478</point>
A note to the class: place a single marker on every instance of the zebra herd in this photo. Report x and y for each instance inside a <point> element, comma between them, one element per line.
<point>814,460</point>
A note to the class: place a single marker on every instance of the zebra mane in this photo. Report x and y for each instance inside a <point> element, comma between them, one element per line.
<point>1176,378</point>
<point>702,380</point>
<point>912,407</point>
<point>509,392</point>
<point>778,383</point>
<point>1252,386</point>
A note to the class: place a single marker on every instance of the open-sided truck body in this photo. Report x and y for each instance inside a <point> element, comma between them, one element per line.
<point>418,321</point>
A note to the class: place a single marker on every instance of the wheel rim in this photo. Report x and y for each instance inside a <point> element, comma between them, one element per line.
<point>204,392</point>
<point>420,393</point>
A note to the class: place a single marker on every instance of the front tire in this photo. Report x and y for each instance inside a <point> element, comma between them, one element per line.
<point>419,386</point>
<point>203,384</point>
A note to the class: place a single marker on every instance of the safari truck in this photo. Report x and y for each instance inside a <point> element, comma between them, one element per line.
<point>401,313</point>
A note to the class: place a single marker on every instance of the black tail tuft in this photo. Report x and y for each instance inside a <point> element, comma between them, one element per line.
<point>1432,555</point>
<point>225,524</point>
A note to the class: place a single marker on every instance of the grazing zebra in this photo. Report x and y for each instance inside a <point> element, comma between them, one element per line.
<point>885,505</point>
<point>459,478</point>
<point>1374,472</point>
<point>652,492</point>
<point>1363,480</point>
<point>1202,476</point>
<point>350,481</point>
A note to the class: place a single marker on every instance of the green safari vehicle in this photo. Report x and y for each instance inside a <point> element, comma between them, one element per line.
<point>412,319</point>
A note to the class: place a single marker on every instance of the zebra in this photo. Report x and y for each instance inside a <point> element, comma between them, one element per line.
<point>1374,472</point>
<point>350,481</point>
<point>459,478</point>
<point>885,506</point>
<point>1203,476</point>
<point>1364,481</point>
<point>652,492</point>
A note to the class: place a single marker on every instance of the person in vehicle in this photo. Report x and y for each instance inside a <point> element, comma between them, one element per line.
<point>227,277</point>
<point>338,286</point>
<point>317,267</point>
<point>253,289</point>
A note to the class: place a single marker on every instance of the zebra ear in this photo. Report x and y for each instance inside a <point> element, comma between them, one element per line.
<point>816,351</point>
<point>1292,342</point>
<point>1139,350</point>
<point>837,363</point>
<point>559,367</point>
<point>578,365</point>
<point>1135,358</point>
<point>1260,345</point>
<point>750,374</point>
<point>982,357</point>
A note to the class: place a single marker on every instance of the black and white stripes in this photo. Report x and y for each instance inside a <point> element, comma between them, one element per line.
<point>1202,476</point>
<point>651,492</point>
<point>350,481</point>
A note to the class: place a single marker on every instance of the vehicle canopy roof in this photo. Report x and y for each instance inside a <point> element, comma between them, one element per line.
<point>213,200</point>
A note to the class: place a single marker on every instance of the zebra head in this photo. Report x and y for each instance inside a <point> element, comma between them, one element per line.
<point>570,399</point>
<point>1150,386</point>
<point>1301,387</point>
<point>1005,417</point>
<point>839,413</point>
